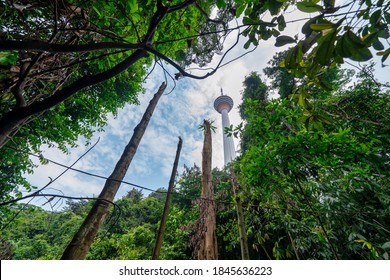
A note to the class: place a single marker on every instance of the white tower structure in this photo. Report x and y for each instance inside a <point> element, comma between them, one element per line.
<point>223,104</point>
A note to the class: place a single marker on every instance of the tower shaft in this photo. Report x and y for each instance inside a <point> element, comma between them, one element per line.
<point>228,145</point>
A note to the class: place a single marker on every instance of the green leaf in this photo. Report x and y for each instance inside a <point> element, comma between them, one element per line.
<point>133,6</point>
<point>247,21</point>
<point>370,38</point>
<point>329,3</point>
<point>384,33</point>
<point>8,58</point>
<point>284,40</point>
<point>356,41</point>
<point>308,7</point>
<point>375,17</point>
<point>385,54</point>
<point>281,23</point>
<point>221,4</point>
<point>247,44</point>
<point>361,54</point>
<point>180,55</point>
<point>240,10</point>
<point>378,45</point>
<point>325,51</point>
<point>274,6</point>
<point>380,3</point>
<point>321,26</point>
<point>97,11</point>
<point>386,246</point>
<point>353,47</point>
<point>387,17</point>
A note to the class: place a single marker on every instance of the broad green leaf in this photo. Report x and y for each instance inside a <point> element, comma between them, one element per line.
<point>306,27</point>
<point>354,40</point>
<point>370,38</point>
<point>133,6</point>
<point>240,10</point>
<point>249,21</point>
<point>221,4</point>
<point>8,58</point>
<point>284,40</point>
<point>378,45</point>
<point>354,47</point>
<point>384,33</point>
<point>247,44</point>
<point>386,246</point>
<point>360,54</point>
<point>329,3</point>
<point>308,7</point>
<point>325,51</point>
<point>274,6</point>
<point>375,17</point>
<point>281,23</point>
<point>380,3</point>
<point>385,54</point>
<point>387,17</point>
<point>321,26</point>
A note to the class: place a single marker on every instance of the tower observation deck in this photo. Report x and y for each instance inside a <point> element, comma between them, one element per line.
<point>223,104</point>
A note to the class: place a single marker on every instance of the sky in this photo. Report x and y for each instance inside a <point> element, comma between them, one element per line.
<point>178,113</point>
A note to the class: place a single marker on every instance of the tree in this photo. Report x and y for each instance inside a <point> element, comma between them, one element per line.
<point>87,47</point>
<point>167,205</point>
<point>82,240</point>
<point>331,35</point>
<point>208,246</point>
<point>255,89</point>
<point>282,82</point>
<point>316,190</point>
<point>51,50</point>
<point>71,64</point>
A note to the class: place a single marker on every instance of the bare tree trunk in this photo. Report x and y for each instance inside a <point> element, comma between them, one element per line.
<point>208,249</point>
<point>164,218</point>
<point>241,220</point>
<point>82,240</point>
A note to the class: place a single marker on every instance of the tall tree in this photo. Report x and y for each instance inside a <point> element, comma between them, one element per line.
<point>161,230</point>
<point>84,47</point>
<point>208,247</point>
<point>317,190</point>
<point>81,242</point>
<point>254,89</point>
<point>282,82</point>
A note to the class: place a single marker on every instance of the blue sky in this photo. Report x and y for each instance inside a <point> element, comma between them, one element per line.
<point>177,114</point>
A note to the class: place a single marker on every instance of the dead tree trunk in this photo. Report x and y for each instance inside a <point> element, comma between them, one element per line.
<point>164,218</point>
<point>82,240</point>
<point>208,249</point>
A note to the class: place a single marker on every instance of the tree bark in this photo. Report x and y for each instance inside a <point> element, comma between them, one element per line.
<point>208,249</point>
<point>164,218</point>
<point>82,240</point>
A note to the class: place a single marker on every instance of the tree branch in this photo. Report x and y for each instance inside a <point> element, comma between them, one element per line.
<point>180,6</point>
<point>181,70</point>
<point>36,45</point>
<point>80,84</point>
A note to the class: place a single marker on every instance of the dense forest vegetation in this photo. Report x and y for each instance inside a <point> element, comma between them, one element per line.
<point>308,192</point>
<point>313,169</point>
